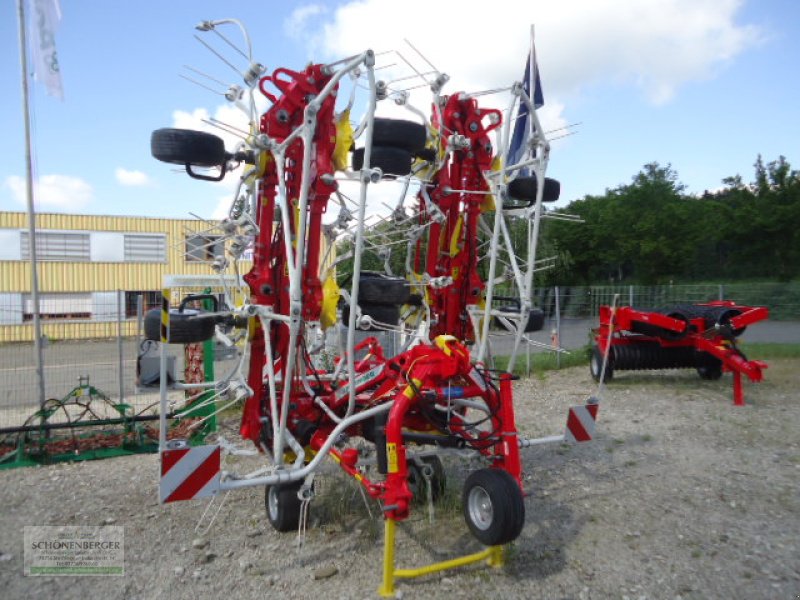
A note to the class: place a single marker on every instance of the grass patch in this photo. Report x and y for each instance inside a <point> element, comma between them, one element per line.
<point>545,361</point>
<point>764,351</point>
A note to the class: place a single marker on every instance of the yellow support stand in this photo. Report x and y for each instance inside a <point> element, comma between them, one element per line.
<point>493,556</point>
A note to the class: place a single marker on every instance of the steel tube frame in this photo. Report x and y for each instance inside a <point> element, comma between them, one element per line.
<point>288,476</point>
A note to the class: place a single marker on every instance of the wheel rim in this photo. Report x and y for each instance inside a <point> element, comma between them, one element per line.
<point>595,366</point>
<point>272,503</point>
<point>481,511</point>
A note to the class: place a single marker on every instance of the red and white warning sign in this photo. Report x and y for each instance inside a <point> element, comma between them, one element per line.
<point>188,473</point>
<point>580,423</point>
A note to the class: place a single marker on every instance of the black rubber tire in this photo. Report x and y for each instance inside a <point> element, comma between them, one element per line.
<point>523,189</point>
<point>383,313</point>
<point>377,288</point>
<point>494,508</point>
<point>283,506</point>
<point>187,147</point>
<point>406,135</point>
<point>506,304</point>
<point>187,327</point>
<point>535,320</point>
<point>651,355</point>
<point>392,161</point>
<point>723,316</point>
<point>416,479</point>
<point>709,373</point>
<point>708,367</point>
<point>596,364</point>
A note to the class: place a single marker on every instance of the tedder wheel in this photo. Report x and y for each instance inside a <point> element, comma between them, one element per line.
<point>377,288</point>
<point>392,161</point>
<point>187,327</point>
<point>596,365</point>
<point>709,372</point>
<point>187,147</point>
<point>386,314</point>
<point>535,320</point>
<point>416,478</point>
<point>494,508</point>
<point>406,135</point>
<point>283,505</point>
<point>708,367</point>
<point>524,190</point>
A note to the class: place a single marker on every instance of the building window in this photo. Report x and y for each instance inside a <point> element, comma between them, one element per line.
<point>57,246</point>
<point>147,248</point>
<point>150,300</point>
<point>204,248</point>
<point>59,306</point>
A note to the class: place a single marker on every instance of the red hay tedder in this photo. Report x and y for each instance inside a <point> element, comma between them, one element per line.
<point>310,382</point>
<point>699,336</point>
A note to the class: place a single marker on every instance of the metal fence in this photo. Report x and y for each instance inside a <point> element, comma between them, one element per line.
<point>782,299</point>
<point>102,347</point>
<point>106,347</point>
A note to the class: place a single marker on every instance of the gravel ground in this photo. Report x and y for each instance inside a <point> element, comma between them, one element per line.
<point>681,495</point>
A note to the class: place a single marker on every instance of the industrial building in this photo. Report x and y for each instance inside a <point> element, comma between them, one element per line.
<point>92,269</point>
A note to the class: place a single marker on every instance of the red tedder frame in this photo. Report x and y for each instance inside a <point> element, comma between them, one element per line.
<point>302,401</point>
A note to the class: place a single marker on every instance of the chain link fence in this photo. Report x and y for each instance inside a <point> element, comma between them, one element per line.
<point>782,299</point>
<point>105,345</point>
<point>95,344</point>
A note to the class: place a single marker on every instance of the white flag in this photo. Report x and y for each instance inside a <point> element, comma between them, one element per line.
<point>45,16</point>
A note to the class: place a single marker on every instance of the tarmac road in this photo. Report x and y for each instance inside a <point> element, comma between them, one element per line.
<point>66,361</point>
<point>575,334</point>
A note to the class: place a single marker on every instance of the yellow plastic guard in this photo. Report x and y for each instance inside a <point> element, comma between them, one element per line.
<point>488,201</point>
<point>344,141</point>
<point>330,298</point>
<point>442,342</point>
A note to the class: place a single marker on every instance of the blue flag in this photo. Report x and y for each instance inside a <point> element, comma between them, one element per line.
<point>519,138</point>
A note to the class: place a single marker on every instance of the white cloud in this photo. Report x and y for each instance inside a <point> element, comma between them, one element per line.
<point>234,118</point>
<point>223,207</point>
<point>131,178</point>
<point>191,120</point>
<point>226,114</point>
<point>198,120</point>
<point>296,24</point>
<point>552,118</point>
<point>58,192</point>
<point>654,47</point>
<point>658,46</point>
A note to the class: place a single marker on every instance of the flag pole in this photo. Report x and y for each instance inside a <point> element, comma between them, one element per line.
<point>37,324</point>
<point>533,226</point>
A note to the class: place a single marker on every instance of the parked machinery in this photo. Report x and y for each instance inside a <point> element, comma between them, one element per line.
<point>699,336</point>
<point>300,405</point>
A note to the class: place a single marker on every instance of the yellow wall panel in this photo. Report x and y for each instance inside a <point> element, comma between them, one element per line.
<point>97,276</point>
<point>82,277</point>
